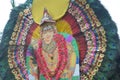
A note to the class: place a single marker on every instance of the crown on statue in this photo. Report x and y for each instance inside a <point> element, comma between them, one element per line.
<point>46,18</point>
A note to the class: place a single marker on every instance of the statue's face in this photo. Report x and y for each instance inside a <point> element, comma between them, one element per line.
<point>47,33</point>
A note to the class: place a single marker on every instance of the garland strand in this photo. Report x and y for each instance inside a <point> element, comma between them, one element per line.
<point>63,57</point>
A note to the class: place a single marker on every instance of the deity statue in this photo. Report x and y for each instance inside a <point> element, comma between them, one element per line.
<point>56,57</point>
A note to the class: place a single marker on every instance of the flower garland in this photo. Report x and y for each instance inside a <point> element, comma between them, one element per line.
<point>63,58</point>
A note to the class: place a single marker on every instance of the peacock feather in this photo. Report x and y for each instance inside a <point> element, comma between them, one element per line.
<point>94,32</point>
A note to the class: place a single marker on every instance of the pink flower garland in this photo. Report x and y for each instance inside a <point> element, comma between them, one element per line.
<point>63,58</point>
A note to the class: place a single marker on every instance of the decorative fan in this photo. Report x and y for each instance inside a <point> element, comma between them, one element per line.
<point>83,27</point>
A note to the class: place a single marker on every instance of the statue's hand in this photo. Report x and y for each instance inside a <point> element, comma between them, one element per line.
<point>52,74</point>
